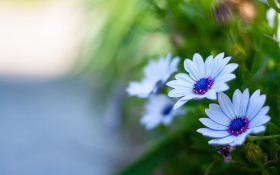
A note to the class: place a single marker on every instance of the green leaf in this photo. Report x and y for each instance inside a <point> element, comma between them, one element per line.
<point>273,5</point>
<point>272,129</point>
<point>277,146</point>
<point>273,170</point>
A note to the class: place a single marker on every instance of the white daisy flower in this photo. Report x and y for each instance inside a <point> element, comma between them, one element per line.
<point>230,123</point>
<point>159,110</point>
<point>204,79</point>
<point>157,73</point>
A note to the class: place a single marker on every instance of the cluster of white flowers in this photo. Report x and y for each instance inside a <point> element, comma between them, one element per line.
<point>229,123</point>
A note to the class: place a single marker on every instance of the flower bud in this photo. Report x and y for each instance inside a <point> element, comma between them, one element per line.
<point>253,152</point>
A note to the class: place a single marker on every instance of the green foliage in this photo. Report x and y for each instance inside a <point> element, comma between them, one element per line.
<point>273,5</point>
<point>135,31</point>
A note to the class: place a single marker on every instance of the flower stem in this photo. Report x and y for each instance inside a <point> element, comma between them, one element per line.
<point>253,138</point>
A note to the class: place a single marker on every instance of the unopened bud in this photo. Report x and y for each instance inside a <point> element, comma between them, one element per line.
<point>253,152</point>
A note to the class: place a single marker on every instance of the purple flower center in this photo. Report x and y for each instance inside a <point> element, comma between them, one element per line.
<point>238,125</point>
<point>203,85</point>
<point>167,109</point>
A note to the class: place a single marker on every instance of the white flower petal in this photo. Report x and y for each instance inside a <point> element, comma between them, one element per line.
<point>227,140</point>
<point>219,57</point>
<point>229,68</point>
<point>270,15</point>
<point>232,143</point>
<point>179,84</point>
<point>154,108</point>
<point>259,120</point>
<point>215,106</point>
<point>155,72</point>
<point>184,77</point>
<point>226,105</point>
<point>174,63</point>
<point>140,89</point>
<point>204,130</point>
<point>217,116</point>
<point>211,94</point>
<point>213,125</point>
<point>225,78</point>
<point>191,69</point>
<point>208,65</point>
<point>263,111</point>
<point>167,120</point>
<point>244,103</point>
<point>255,104</point>
<point>218,66</point>
<point>152,124</point>
<point>212,133</point>
<point>241,138</point>
<point>180,93</point>
<point>236,100</point>
<point>220,87</point>
<point>198,61</point>
<point>146,118</point>
<point>182,101</point>
<point>214,141</point>
<point>258,129</point>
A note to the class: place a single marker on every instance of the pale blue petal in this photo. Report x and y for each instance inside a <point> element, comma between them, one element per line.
<point>218,116</point>
<point>263,111</point>
<point>218,65</point>
<point>179,93</point>
<point>213,125</point>
<point>198,61</point>
<point>191,69</point>
<point>258,129</point>
<point>174,63</point>
<point>184,77</point>
<point>226,140</point>
<point>212,133</point>
<point>220,87</point>
<point>241,138</point>
<point>229,68</point>
<point>225,78</point>
<point>182,101</point>
<point>140,89</point>
<point>259,120</point>
<point>207,132</point>
<point>244,103</point>
<point>211,94</point>
<point>208,65</point>
<point>153,124</point>
<point>215,106</point>
<point>236,100</point>
<point>214,141</point>
<point>179,84</point>
<point>226,105</point>
<point>255,104</point>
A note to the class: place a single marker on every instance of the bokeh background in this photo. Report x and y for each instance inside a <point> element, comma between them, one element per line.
<point>65,64</point>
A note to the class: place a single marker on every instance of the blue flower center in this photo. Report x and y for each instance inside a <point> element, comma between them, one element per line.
<point>167,109</point>
<point>238,125</point>
<point>203,85</point>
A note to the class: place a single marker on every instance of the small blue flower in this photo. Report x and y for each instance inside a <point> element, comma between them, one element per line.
<point>157,73</point>
<point>204,79</point>
<point>230,123</point>
<point>159,110</point>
